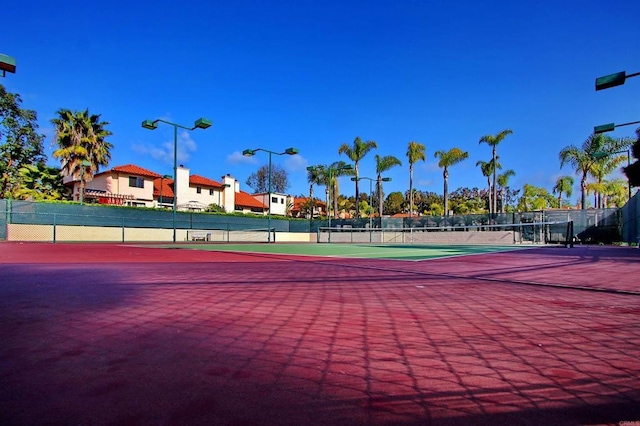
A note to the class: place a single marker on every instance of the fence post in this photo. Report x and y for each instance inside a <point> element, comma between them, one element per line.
<point>54,227</point>
<point>123,229</point>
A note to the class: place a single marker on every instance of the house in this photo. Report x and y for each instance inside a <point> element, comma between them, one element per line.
<point>136,186</point>
<point>300,205</point>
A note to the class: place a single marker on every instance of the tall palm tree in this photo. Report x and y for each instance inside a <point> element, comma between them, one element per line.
<point>564,185</point>
<point>357,152</point>
<point>582,159</point>
<point>488,168</point>
<point>314,177</point>
<point>446,160</point>
<point>503,183</point>
<point>493,141</point>
<point>81,137</point>
<point>600,169</point>
<point>415,152</point>
<point>382,165</point>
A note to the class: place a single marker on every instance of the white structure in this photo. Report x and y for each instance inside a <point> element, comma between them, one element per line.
<point>135,186</point>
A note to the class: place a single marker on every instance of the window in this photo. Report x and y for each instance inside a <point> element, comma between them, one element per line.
<point>281,200</point>
<point>198,189</point>
<point>211,192</point>
<point>274,200</point>
<point>136,182</point>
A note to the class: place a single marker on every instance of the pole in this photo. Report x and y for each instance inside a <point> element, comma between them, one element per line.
<point>370,210</point>
<point>82,184</point>
<point>269,195</point>
<point>629,179</point>
<point>175,179</point>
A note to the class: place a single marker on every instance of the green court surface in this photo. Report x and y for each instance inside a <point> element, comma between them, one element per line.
<point>367,251</point>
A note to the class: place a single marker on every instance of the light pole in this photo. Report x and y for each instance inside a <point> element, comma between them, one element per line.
<point>252,152</point>
<point>200,123</point>
<point>371,180</point>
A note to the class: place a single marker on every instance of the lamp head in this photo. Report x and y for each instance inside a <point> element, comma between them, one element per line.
<point>150,125</point>
<point>600,154</point>
<point>604,128</point>
<point>355,179</point>
<point>7,63</point>
<point>291,151</point>
<point>202,123</point>
<point>347,167</point>
<point>249,152</point>
<point>611,80</point>
<point>387,179</point>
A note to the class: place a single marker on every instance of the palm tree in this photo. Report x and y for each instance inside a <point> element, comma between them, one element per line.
<point>600,169</point>
<point>494,141</point>
<point>448,159</point>
<point>488,168</point>
<point>40,182</point>
<point>564,185</point>
<point>314,177</point>
<point>356,152</point>
<point>382,165</point>
<point>582,159</point>
<point>415,153</point>
<point>81,137</point>
<point>503,183</point>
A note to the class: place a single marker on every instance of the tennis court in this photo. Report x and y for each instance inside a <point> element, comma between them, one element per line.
<point>214,334</point>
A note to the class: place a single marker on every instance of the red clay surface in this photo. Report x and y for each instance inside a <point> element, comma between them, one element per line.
<point>116,334</point>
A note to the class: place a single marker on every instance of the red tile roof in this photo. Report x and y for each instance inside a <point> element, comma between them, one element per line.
<point>298,201</point>
<point>167,187</point>
<point>243,199</point>
<point>203,181</point>
<point>134,170</point>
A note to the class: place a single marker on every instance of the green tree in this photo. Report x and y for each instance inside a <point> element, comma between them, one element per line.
<point>446,160</point>
<point>356,152</point>
<point>600,169</point>
<point>503,184</point>
<point>616,193</point>
<point>582,159</point>
<point>564,185</point>
<point>382,165</point>
<point>488,168</point>
<point>20,144</point>
<point>393,203</point>
<point>314,177</point>
<point>81,137</point>
<point>259,180</point>
<point>535,198</point>
<point>39,182</point>
<point>415,153</point>
<point>493,141</point>
<point>632,171</point>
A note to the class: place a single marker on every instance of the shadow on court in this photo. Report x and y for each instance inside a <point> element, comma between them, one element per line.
<point>139,335</point>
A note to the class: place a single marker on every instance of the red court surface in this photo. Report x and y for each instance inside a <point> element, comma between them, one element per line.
<point>115,334</point>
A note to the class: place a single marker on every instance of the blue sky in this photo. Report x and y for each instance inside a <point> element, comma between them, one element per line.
<point>314,74</point>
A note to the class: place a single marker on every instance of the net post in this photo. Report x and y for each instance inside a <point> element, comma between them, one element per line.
<point>570,234</point>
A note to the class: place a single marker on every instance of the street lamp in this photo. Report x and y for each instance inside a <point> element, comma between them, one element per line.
<point>330,171</point>
<point>83,164</point>
<point>371,180</point>
<point>252,152</point>
<point>200,123</point>
<point>603,154</point>
<point>610,126</point>
<point>613,80</point>
<point>7,64</point>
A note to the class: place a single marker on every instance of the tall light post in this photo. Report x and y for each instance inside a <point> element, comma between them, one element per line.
<point>371,180</point>
<point>83,164</point>
<point>252,152</point>
<point>200,123</point>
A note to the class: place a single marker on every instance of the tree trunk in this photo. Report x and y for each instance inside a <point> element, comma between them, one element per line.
<point>410,190</point>
<point>446,189</point>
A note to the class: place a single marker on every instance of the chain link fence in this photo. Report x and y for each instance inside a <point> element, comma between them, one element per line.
<point>32,221</point>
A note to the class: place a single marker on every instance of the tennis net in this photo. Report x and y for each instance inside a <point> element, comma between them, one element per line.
<point>501,234</point>
<point>232,235</point>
